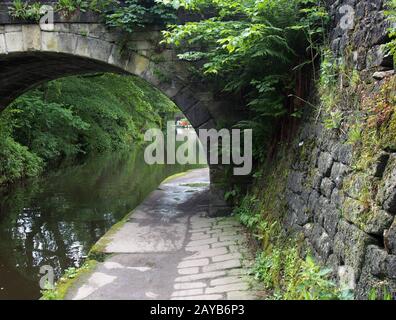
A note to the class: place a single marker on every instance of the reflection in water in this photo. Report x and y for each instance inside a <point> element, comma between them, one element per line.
<point>55,220</point>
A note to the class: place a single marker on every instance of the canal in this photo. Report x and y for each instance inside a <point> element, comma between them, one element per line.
<point>54,220</point>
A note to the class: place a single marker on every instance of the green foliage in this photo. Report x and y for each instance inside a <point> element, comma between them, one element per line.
<point>138,13</point>
<point>119,109</point>
<point>70,6</point>
<point>51,130</point>
<point>64,283</point>
<point>128,16</point>
<point>279,265</point>
<point>76,116</point>
<point>16,161</point>
<point>254,50</point>
<point>391,13</point>
<point>334,120</point>
<point>25,11</point>
<point>328,81</point>
<point>355,135</point>
<point>338,87</point>
<point>380,293</point>
<point>377,122</point>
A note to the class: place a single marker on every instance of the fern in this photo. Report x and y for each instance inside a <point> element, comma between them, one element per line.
<point>254,50</point>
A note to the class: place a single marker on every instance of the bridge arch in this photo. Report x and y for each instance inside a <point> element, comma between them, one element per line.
<point>30,56</point>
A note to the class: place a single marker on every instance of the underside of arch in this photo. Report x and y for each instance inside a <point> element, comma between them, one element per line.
<point>20,72</point>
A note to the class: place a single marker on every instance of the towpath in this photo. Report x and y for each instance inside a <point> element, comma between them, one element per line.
<point>168,249</point>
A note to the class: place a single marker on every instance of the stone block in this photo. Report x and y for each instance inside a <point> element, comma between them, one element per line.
<point>350,244</point>
<point>376,221</point>
<point>229,264</point>
<point>137,64</point>
<point>189,285</point>
<point>354,210</point>
<point>390,264</point>
<point>50,41</point>
<point>338,172</point>
<point>295,181</point>
<point>62,27</point>
<point>14,41</point>
<point>208,252</point>
<point>3,48</point>
<point>227,288</point>
<point>325,163</point>
<point>387,190</point>
<point>225,281</point>
<point>376,260</point>
<point>31,37</point>
<point>371,220</point>
<point>196,243</point>
<point>193,263</point>
<point>67,42</point>
<point>330,223</point>
<point>225,257</point>
<point>337,198</point>
<point>390,238</point>
<point>198,114</point>
<point>9,28</point>
<point>327,187</point>
<point>99,49</point>
<point>201,276</point>
<point>379,166</point>
<point>317,180</point>
<point>343,153</point>
<point>357,185</point>
<point>193,270</point>
<point>188,292</point>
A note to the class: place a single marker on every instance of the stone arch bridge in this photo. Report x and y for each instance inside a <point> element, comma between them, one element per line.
<point>82,44</point>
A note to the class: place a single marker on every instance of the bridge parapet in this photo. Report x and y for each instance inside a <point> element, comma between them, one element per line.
<point>88,16</point>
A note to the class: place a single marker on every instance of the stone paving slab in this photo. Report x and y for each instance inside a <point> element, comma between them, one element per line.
<point>170,250</point>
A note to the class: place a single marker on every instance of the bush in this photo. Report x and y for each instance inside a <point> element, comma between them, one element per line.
<point>17,162</point>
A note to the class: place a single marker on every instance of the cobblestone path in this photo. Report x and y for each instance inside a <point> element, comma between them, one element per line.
<point>168,249</point>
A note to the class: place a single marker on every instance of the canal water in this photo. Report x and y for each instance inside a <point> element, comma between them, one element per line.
<point>54,220</point>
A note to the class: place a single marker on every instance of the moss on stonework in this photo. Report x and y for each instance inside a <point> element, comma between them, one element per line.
<point>372,130</point>
<point>305,155</point>
<point>379,127</point>
<point>282,265</point>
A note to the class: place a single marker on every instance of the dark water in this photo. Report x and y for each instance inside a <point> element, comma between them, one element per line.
<point>54,220</point>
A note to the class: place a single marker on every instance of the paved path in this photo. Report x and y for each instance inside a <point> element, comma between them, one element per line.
<point>168,249</point>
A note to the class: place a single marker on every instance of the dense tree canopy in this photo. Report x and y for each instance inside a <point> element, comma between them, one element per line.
<point>75,116</point>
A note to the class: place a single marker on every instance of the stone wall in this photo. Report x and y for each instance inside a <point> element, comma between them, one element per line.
<point>346,213</point>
